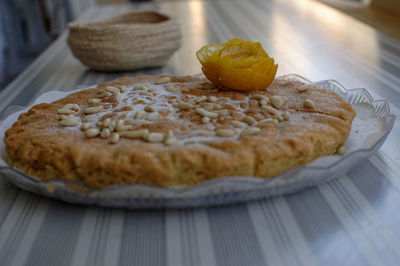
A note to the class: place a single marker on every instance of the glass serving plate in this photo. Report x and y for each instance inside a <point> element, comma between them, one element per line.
<point>225,190</point>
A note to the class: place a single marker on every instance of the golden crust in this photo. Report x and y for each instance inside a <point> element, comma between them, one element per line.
<point>41,147</point>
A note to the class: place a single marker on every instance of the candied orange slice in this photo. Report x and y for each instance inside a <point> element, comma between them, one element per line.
<point>237,65</point>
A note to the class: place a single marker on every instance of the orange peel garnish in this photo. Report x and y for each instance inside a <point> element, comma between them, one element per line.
<point>237,65</point>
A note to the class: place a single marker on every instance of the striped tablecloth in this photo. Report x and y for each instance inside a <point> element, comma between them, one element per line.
<point>352,220</point>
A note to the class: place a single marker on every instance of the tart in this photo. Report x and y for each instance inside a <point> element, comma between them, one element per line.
<point>168,131</point>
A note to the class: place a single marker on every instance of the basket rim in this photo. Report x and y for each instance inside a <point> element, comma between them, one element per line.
<point>116,22</point>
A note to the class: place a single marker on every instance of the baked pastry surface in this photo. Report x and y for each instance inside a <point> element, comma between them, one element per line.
<point>166,131</point>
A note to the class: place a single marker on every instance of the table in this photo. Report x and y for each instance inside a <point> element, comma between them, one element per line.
<point>352,220</point>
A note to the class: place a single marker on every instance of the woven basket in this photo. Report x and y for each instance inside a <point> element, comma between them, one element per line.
<point>126,42</point>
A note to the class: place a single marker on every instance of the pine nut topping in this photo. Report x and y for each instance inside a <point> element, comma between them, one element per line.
<point>269,109</point>
<point>205,120</point>
<point>72,106</point>
<point>212,99</point>
<point>278,101</point>
<point>105,133</point>
<point>93,110</point>
<point>92,132</point>
<point>250,131</point>
<point>122,88</point>
<point>94,100</point>
<point>104,94</point>
<point>146,93</point>
<point>70,121</point>
<point>169,138</point>
<point>67,109</point>
<point>115,91</point>
<point>201,99</point>
<point>155,137</point>
<point>303,88</point>
<point>286,115</point>
<point>268,121</point>
<point>114,138</point>
<point>249,120</point>
<point>171,142</point>
<point>162,80</point>
<point>183,105</point>
<point>264,102</point>
<point>308,103</point>
<point>85,126</point>
<point>171,88</point>
<point>279,118</point>
<point>225,132</point>
<point>139,88</point>
<point>205,113</point>
<point>112,125</point>
<point>238,124</point>
<point>107,122</point>
<point>120,126</point>
<point>342,150</point>
<point>140,115</point>
<point>99,124</point>
<point>149,108</point>
<point>152,116</point>
<point>135,134</point>
<point>221,112</point>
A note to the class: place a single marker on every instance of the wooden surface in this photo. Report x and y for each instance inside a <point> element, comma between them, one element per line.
<point>352,220</point>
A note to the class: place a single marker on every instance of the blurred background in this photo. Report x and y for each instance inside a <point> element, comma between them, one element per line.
<point>27,27</point>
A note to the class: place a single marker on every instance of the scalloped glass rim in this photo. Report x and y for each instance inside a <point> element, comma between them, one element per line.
<point>211,192</point>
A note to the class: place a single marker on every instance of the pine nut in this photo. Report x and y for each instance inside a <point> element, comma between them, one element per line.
<point>139,88</point>
<point>225,132</point>
<point>286,115</point>
<point>205,120</point>
<point>92,132</point>
<point>140,114</point>
<point>205,113</point>
<point>238,124</point>
<point>155,137</point>
<point>115,91</point>
<point>120,126</point>
<point>93,110</point>
<point>308,103</point>
<point>201,99</point>
<point>105,133</point>
<point>94,100</point>
<point>122,88</point>
<point>171,88</point>
<point>146,93</point>
<point>269,109</point>
<point>70,122</point>
<point>249,120</point>
<point>303,88</point>
<point>85,126</point>
<point>65,111</point>
<point>107,122</point>
<point>183,105</point>
<point>104,94</point>
<point>212,99</point>
<point>278,101</point>
<point>268,121</point>
<point>250,131</point>
<point>114,138</point>
<point>135,134</point>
